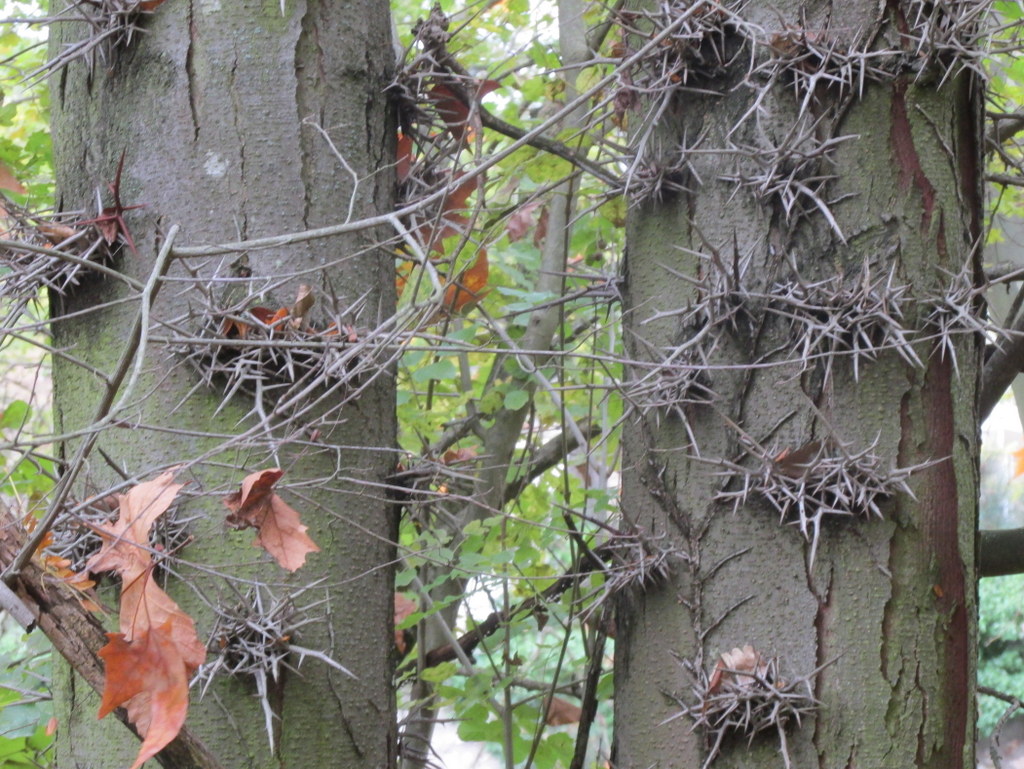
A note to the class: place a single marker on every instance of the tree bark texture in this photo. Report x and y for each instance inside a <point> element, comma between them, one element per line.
<point>215,106</point>
<point>732,273</point>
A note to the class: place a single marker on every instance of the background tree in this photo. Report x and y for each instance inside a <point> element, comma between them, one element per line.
<point>804,437</point>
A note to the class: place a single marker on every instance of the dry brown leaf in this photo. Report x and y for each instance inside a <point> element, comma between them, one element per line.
<point>126,541</point>
<point>560,712</point>
<point>471,286</point>
<point>281,532</point>
<point>304,300</point>
<point>149,677</point>
<point>56,233</point>
<point>739,666</point>
<point>149,662</point>
<point>8,181</point>
<point>521,221</point>
<point>455,456</point>
<point>403,608</point>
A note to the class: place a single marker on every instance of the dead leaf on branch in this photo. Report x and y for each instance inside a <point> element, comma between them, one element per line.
<point>294,319</point>
<point>149,662</point>
<point>281,532</point>
<point>126,541</point>
<point>149,676</point>
<point>470,287</point>
<point>742,667</point>
<point>459,106</point>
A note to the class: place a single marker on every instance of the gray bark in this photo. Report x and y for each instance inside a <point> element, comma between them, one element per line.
<point>209,105</point>
<point>886,611</point>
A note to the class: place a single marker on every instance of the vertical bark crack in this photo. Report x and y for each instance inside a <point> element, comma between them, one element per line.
<point>190,72</point>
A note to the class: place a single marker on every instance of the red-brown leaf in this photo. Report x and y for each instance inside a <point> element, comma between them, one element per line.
<point>471,286</point>
<point>8,181</point>
<point>406,158</point>
<point>126,541</point>
<point>149,662</point>
<point>149,677</point>
<point>403,608</point>
<point>560,712</point>
<point>281,532</point>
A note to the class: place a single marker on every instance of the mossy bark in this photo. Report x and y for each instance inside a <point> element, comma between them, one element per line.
<point>212,105</point>
<point>887,609</point>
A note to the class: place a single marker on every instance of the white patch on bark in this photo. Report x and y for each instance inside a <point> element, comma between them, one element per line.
<point>215,165</point>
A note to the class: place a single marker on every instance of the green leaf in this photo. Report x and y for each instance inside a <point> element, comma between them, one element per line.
<point>15,415</point>
<point>440,672</point>
<point>516,399</point>
<point>443,370</point>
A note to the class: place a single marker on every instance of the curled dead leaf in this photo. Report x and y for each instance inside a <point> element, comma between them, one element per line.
<point>304,300</point>
<point>741,666</point>
<point>281,532</point>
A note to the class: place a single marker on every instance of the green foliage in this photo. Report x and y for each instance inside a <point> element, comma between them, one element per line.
<point>1000,645</point>
<point>25,707</point>
<point>25,476</point>
<point>24,111</point>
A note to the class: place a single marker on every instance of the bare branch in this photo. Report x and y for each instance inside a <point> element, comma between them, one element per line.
<point>1001,368</point>
<point>1001,552</point>
<point>547,456</point>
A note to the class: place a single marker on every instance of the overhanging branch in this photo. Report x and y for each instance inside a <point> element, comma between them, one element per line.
<point>1000,552</point>
<point>1000,369</point>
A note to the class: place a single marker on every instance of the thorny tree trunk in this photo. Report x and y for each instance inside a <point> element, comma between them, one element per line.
<point>731,301</point>
<point>216,107</point>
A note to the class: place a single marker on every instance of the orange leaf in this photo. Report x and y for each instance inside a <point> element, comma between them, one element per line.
<point>269,317</point>
<point>149,662</point>
<point>149,677</point>
<point>144,605</point>
<point>453,456</point>
<point>1018,466</point>
<point>281,533</point>
<point>471,286</point>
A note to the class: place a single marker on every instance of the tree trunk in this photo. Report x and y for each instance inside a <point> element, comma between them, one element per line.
<point>216,107</point>
<point>803,434</point>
